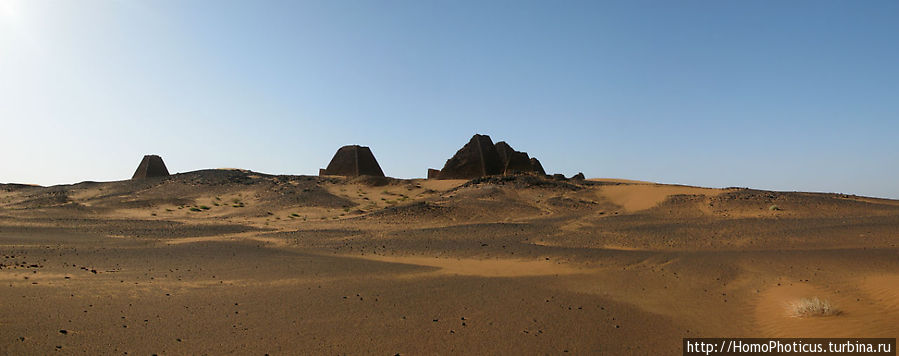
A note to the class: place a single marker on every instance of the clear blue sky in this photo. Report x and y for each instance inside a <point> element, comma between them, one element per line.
<point>784,95</point>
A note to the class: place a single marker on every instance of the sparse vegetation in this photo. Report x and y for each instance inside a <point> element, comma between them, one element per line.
<point>807,307</point>
<point>204,207</point>
<point>774,208</point>
<point>295,215</point>
<point>195,209</point>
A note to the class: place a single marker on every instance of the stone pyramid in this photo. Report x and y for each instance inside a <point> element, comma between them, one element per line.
<point>477,158</point>
<point>536,167</point>
<point>513,161</point>
<point>353,161</point>
<point>151,166</point>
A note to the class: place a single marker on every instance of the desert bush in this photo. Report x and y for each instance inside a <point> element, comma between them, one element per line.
<point>813,307</point>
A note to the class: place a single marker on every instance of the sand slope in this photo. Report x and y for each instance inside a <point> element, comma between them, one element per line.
<point>232,261</point>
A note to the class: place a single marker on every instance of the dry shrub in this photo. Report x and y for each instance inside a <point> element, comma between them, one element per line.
<point>806,307</point>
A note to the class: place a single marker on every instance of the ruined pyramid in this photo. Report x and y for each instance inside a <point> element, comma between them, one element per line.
<point>353,161</point>
<point>477,158</point>
<point>480,157</point>
<point>513,161</point>
<point>151,166</point>
<point>536,167</point>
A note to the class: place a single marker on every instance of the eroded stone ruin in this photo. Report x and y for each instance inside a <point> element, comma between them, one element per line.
<point>537,167</point>
<point>353,161</point>
<point>151,166</point>
<point>513,161</point>
<point>480,158</point>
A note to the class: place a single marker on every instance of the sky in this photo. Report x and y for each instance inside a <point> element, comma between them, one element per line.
<point>781,95</point>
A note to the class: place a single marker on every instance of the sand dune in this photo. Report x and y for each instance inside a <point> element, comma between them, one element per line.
<point>483,267</point>
<point>636,197</point>
<point>232,261</point>
<point>619,180</point>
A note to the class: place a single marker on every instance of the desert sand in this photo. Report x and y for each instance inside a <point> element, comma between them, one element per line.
<point>232,261</point>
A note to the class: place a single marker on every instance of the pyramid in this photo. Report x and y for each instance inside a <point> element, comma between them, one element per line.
<point>353,161</point>
<point>477,158</point>
<point>151,166</point>
<point>513,161</point>
<point>536,167</point>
